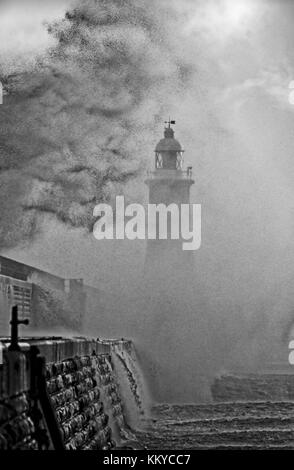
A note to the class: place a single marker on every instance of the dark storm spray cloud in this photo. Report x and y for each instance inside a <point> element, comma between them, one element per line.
<point>72,127</point>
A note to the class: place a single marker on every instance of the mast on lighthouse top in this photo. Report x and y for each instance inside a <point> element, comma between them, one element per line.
<point>168,151</point>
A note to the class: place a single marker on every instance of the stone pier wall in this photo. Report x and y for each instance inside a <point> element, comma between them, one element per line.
<point>85,400</point>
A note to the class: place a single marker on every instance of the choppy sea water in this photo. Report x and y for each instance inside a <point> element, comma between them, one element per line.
<point>249,425</point>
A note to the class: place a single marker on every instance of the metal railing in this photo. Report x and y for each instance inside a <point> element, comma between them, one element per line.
<point>174,174</point>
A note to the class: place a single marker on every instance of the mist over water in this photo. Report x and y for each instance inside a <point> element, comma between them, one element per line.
<point>80,127</point>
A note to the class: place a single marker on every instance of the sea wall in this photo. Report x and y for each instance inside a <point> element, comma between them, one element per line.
<point>59,393</point>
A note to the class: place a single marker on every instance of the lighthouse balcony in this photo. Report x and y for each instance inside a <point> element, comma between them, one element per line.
<point>171,174</point>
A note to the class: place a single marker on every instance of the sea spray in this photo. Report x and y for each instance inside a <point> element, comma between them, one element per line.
<point>111,397</point>
<point>133,387</point>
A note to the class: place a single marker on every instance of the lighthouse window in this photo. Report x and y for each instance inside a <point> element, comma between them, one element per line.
<point>158,160</point>
<point>179,161</point>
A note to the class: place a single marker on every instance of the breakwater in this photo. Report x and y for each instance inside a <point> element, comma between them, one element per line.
<point>59,393</point>
<point>84,394</point>
<point>254,387</point>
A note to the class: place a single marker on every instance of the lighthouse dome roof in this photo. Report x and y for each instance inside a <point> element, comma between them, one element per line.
<point>169,143</point>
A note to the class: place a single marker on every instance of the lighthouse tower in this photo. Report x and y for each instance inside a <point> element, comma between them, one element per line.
<point>169,183</point>
<point>168,318</point>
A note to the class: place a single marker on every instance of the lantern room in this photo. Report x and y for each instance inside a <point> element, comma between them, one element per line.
<point>168,151</point>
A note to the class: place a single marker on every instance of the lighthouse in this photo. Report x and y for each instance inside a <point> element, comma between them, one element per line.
<point>169,184</point>
<point>169,310</point>
<point>169,315</point>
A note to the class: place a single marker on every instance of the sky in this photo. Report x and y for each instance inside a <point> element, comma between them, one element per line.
<point>22,32</point>
<point>223,70</point>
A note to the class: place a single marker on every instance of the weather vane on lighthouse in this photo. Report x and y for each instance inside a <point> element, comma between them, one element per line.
<point>169,122</point>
